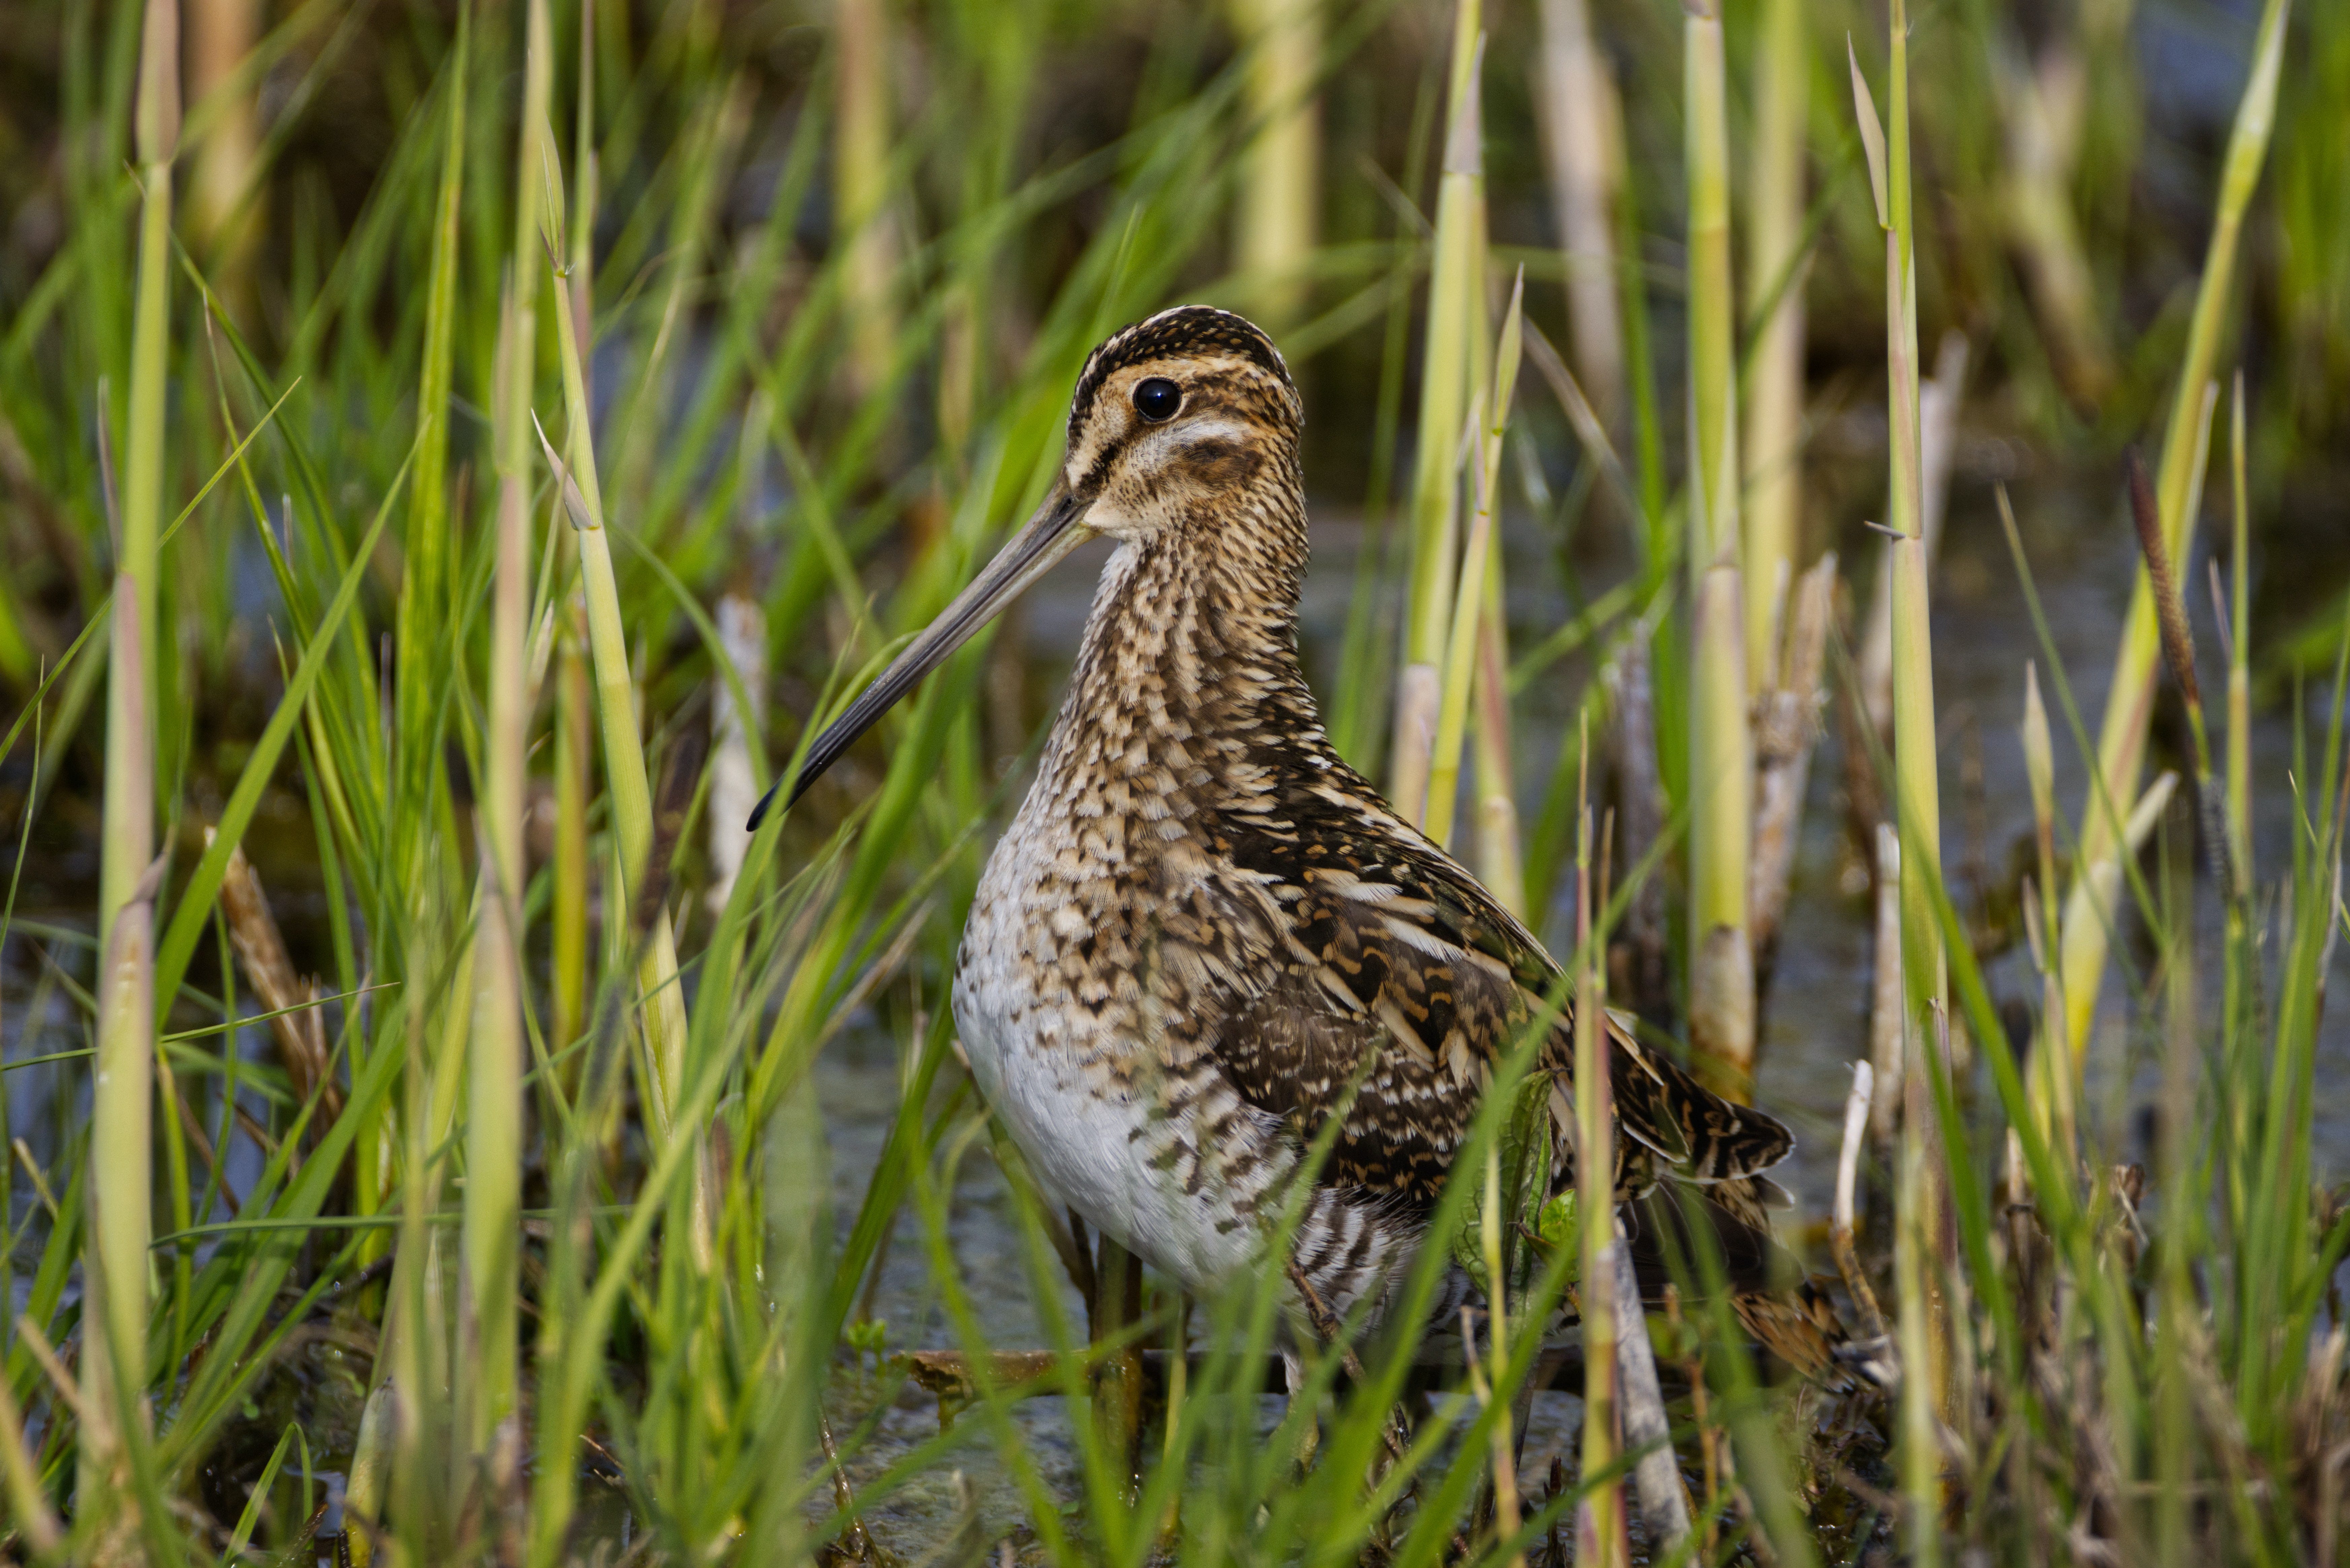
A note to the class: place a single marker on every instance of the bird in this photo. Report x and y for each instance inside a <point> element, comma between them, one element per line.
<point>1205,936</point>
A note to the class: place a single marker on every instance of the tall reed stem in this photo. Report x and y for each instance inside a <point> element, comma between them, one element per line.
<point>2052,1075</point>
<point>114,1340</point>
<point>2121,741</point>
<point>1776,266</point>
<point>574,720</point>
<point>862,221</point>
<point>492,1245</point>
<point>1455,316</point>
<point>114,1260</point>
<point>1721,754</point>
<point>1602,1535</point>
<point>491,1236</point>
<point>2239,655</point>
<point>1470,619</point>
<point>1281,174</point>
<point>225,202</point>
<point>625,781</point>
<point>1925,1245</point>
<point>1500,857</point>
<point>1587,170</point>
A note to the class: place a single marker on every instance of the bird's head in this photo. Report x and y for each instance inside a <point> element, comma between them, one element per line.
<point>1175,416</point>
<point>1185,423</point>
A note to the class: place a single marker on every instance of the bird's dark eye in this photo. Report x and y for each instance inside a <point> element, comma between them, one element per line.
<point>1158,399</point>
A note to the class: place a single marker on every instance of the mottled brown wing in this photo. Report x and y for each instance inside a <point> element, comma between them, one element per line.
<point>1394,973</point>
<point>1706,1138</point>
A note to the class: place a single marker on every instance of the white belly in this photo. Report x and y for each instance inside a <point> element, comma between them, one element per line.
<point>1088,1149</point>
<point>1092,1141</point>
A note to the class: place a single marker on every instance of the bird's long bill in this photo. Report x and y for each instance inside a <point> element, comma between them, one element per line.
<point>1056,530</point>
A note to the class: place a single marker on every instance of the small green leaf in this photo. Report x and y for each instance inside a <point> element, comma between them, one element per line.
<point>1560,1225</point>
<point>250,1519</point>
<point>1525,1166</point>
<point>1506,355</point>
<point>1872,135</point>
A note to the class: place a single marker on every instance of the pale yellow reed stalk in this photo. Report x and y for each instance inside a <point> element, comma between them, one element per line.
<point>128,803</point>
<point>1490,419</point>
<point>1576,93</point>
<point>1939,400</point>
<point>1776,266</point>
<point>1501,859</point>
<point>225,209</point>
<point>489,1239</point>
<point>864,224</point>
<point>1715,475</point>
<point>1722,759</point>
<point>2239,624</point>
<point>625,781</point>
<point>1886,1003</point>
<point>1281,171</point>
<point>1721,954</point>
<point>1843,1224</point>
<point>575,722</point>
<point>1924,1268</point>
<point>1602,1536</point>
<point>2041,104</point>
<point>121,1222</point>
<point>2051,1080</point>
<point>1456,318</point>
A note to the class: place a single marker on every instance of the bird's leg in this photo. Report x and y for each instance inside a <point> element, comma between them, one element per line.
<point>1117,1386</point>
<point>1309,1435</point>
<point>1325,1329</point>
<point>1179,1371</point>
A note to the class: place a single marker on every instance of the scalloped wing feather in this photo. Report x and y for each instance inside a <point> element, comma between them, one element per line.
<point>1397,985</point>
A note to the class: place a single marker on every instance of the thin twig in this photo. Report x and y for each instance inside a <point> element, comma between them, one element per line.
<point>1855,1121</point>
<point>860,1544</point>
<point>1327,1329</point>
<point>46,1356</point>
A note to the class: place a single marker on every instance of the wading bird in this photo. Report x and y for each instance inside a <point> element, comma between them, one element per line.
<point>1204,935</point>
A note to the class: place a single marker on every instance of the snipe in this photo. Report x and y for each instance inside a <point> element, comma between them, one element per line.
<point>1203,929</point>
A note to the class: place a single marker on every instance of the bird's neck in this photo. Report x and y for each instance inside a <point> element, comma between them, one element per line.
<point>1188,673</point>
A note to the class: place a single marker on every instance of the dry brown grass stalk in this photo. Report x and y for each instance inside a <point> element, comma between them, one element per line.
<point>299,1024</point>
<point>1885,1009</point>
<point>1643,984</point>
<point>1581,141</point>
